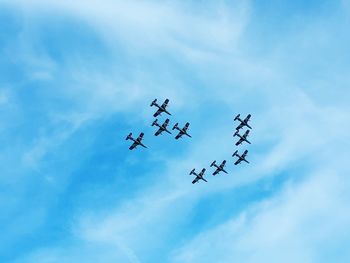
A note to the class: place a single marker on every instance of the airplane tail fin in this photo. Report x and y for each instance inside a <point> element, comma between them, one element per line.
<point>204,180</point>
<point>235,153</point>
<point>175,126</point>
<point>236,133</point>
<point>192,171</point>
<point>213,163</point>
<point>236,118</point>
<point>153,102</point>
<point>154,122</point>
<point>129,136</point>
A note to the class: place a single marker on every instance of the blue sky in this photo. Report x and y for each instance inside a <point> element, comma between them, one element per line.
<point>77,76</point>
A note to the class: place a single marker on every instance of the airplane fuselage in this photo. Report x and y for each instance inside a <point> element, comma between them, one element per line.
<point>199,176</point>
<point>245,139</point>
<point>183,132</point>
<point>162,128</point>
<point>138,142</point>
<point>242,138</point>
<point>241,158</point>
<point>245,123</point>
<point>219,168</point>
<point>163,109</point>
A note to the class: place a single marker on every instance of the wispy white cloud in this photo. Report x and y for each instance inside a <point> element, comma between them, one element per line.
<point>156,25</point>
<point>297,225</point>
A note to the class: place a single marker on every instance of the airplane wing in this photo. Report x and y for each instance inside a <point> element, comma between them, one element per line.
<point>165,103</point>
<point>179,135</point>
<point>239,141</point>
<point>247,118</point>
<point>245,135</point>
<point>139,139</point>
<point>244,154</point>
<point>238,161</point>
<point>158,132</point>
<point>133,146</point>
<point>166,123</point>
<point>186,126</point>
<point>216,171</point>
<point>195,180</point>
<point>222,165</point>
<point>159,111</point>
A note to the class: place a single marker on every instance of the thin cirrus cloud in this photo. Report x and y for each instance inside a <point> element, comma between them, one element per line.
<point>209,63</point>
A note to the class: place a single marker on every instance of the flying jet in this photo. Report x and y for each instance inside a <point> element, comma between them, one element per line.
<point>162,127</point>
<point>182,131</point>
<point>198,176</point>
<point>240,157</point>
<point>219,168</point>
<point>161,108</point>
<point>136,141</point>
<point>242,138</point>
<point>243,122</point>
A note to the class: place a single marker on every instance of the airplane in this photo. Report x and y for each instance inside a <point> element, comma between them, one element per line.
<point>240,157</point>
<point>219,168</point>
<point>242,138</point>
<point>243,122</point>
<point>136,141</point>
<point>161,127</point>
<point>182,131</point>
<point>161,108</point>
<point>198,176</point>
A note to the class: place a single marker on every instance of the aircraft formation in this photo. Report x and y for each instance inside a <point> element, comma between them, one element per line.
<point>241,140</point>
<point>161,127</point>
<point>183,131</point>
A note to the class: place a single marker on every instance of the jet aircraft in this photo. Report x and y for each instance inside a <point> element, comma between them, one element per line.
<point>137,141</point>
<point>161,108</point>
<point>243,122</point>
<point>162,127</point>
<point>198,176</point>
<point>240,157</point>
<point>242,138</point>
<point>182,131</point>
<point>219,168</point>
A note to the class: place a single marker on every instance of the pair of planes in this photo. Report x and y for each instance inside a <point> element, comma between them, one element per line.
<point>243,123</point>
<point>161,127</point>
<point>219,168</point>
